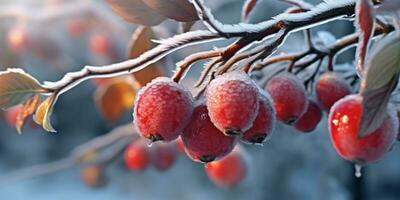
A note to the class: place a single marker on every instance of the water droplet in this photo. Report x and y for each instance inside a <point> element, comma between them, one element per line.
<point>358,168</point>
<point>150,144</point>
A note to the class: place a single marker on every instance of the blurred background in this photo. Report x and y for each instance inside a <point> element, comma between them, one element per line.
<point>48,38</point>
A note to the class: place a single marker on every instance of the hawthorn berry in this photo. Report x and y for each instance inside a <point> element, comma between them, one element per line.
<point>230,170</point>
<point>17,39</point>
<point>232,102</point>
<point>264,123</point>
<point>329,88</point>
<point>93,176</point>
<point>163,156</point>
<point>137,156</point>
<point>100,44</point>
<point>310,119</point>
<point>289,97</point>
<point>77,26</point>
<point>344,123</point>
<point>203,141</point>
<point>162,109</point>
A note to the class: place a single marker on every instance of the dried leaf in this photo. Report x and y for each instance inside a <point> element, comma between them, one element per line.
<point>140,43</point>
<point>16,86</point>
<point>136,11</point>
<point>27,109</point>
<point>365,19</point>
<point>115,98</point>
<point>179,10</point>
<point>248,6</point>
<point>44,112</point>
<point>380,79</point>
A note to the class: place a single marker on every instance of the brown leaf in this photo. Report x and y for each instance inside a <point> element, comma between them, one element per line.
<point>179,10</point>
<point>140,43</point>
<point>365,19</point>
<point>248,6</point>
<point>116,97</point>
<point>136,11</point>
<point>27,109</point>
<point>44,112</point>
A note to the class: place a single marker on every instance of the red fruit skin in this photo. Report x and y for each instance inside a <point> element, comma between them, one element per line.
<point>229,171</point>
<point>100,44</point>
<point>180,145</point>
<point>203,141</point>
<point>12,114</point>
<point>289,96</point>
<point>309,120</point>
<point>163,156</point>
<point>329,88</point>
<point>264,123</point>
<point>137,156</point>
<point>232,102</point>
<point>344,121</point>
<point>162,110</point>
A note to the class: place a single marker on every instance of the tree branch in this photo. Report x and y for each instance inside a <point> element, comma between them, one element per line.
<point>116,140</point>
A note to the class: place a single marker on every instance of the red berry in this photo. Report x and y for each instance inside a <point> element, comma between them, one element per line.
<point>163,156</point>
<point>309,120</point>
<point>180,145</point>
<point>93,176</point>
<point>344,122</point>
<point>264,123</point>
<point>203,141</point>
<point>289,96</point>
<point>329,88</point>
<point>137,156</point>
<point>100,44</point>
<point>232,102</point>
<point>229,171</point>
<point>12,114</point>
<point>77,26</point>
<point>17,38</point>
<point>162,109</point>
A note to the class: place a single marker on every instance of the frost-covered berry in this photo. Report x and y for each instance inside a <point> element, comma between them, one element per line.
<point>203,141</point>
<point>162,109</point>
<point>289,96</point>
<point>264,123</point>
<point>344,123</point>
<point>329,88</point>
<point>230,170</point>
<point>232,102</point>
<point>310,119</point>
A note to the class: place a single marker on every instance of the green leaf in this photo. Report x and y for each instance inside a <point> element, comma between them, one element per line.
<point>380,79</point>
<point>16,86</point>
<point>44,111</point>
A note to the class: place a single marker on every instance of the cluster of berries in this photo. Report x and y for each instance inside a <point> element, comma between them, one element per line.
<point>235,108</point>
